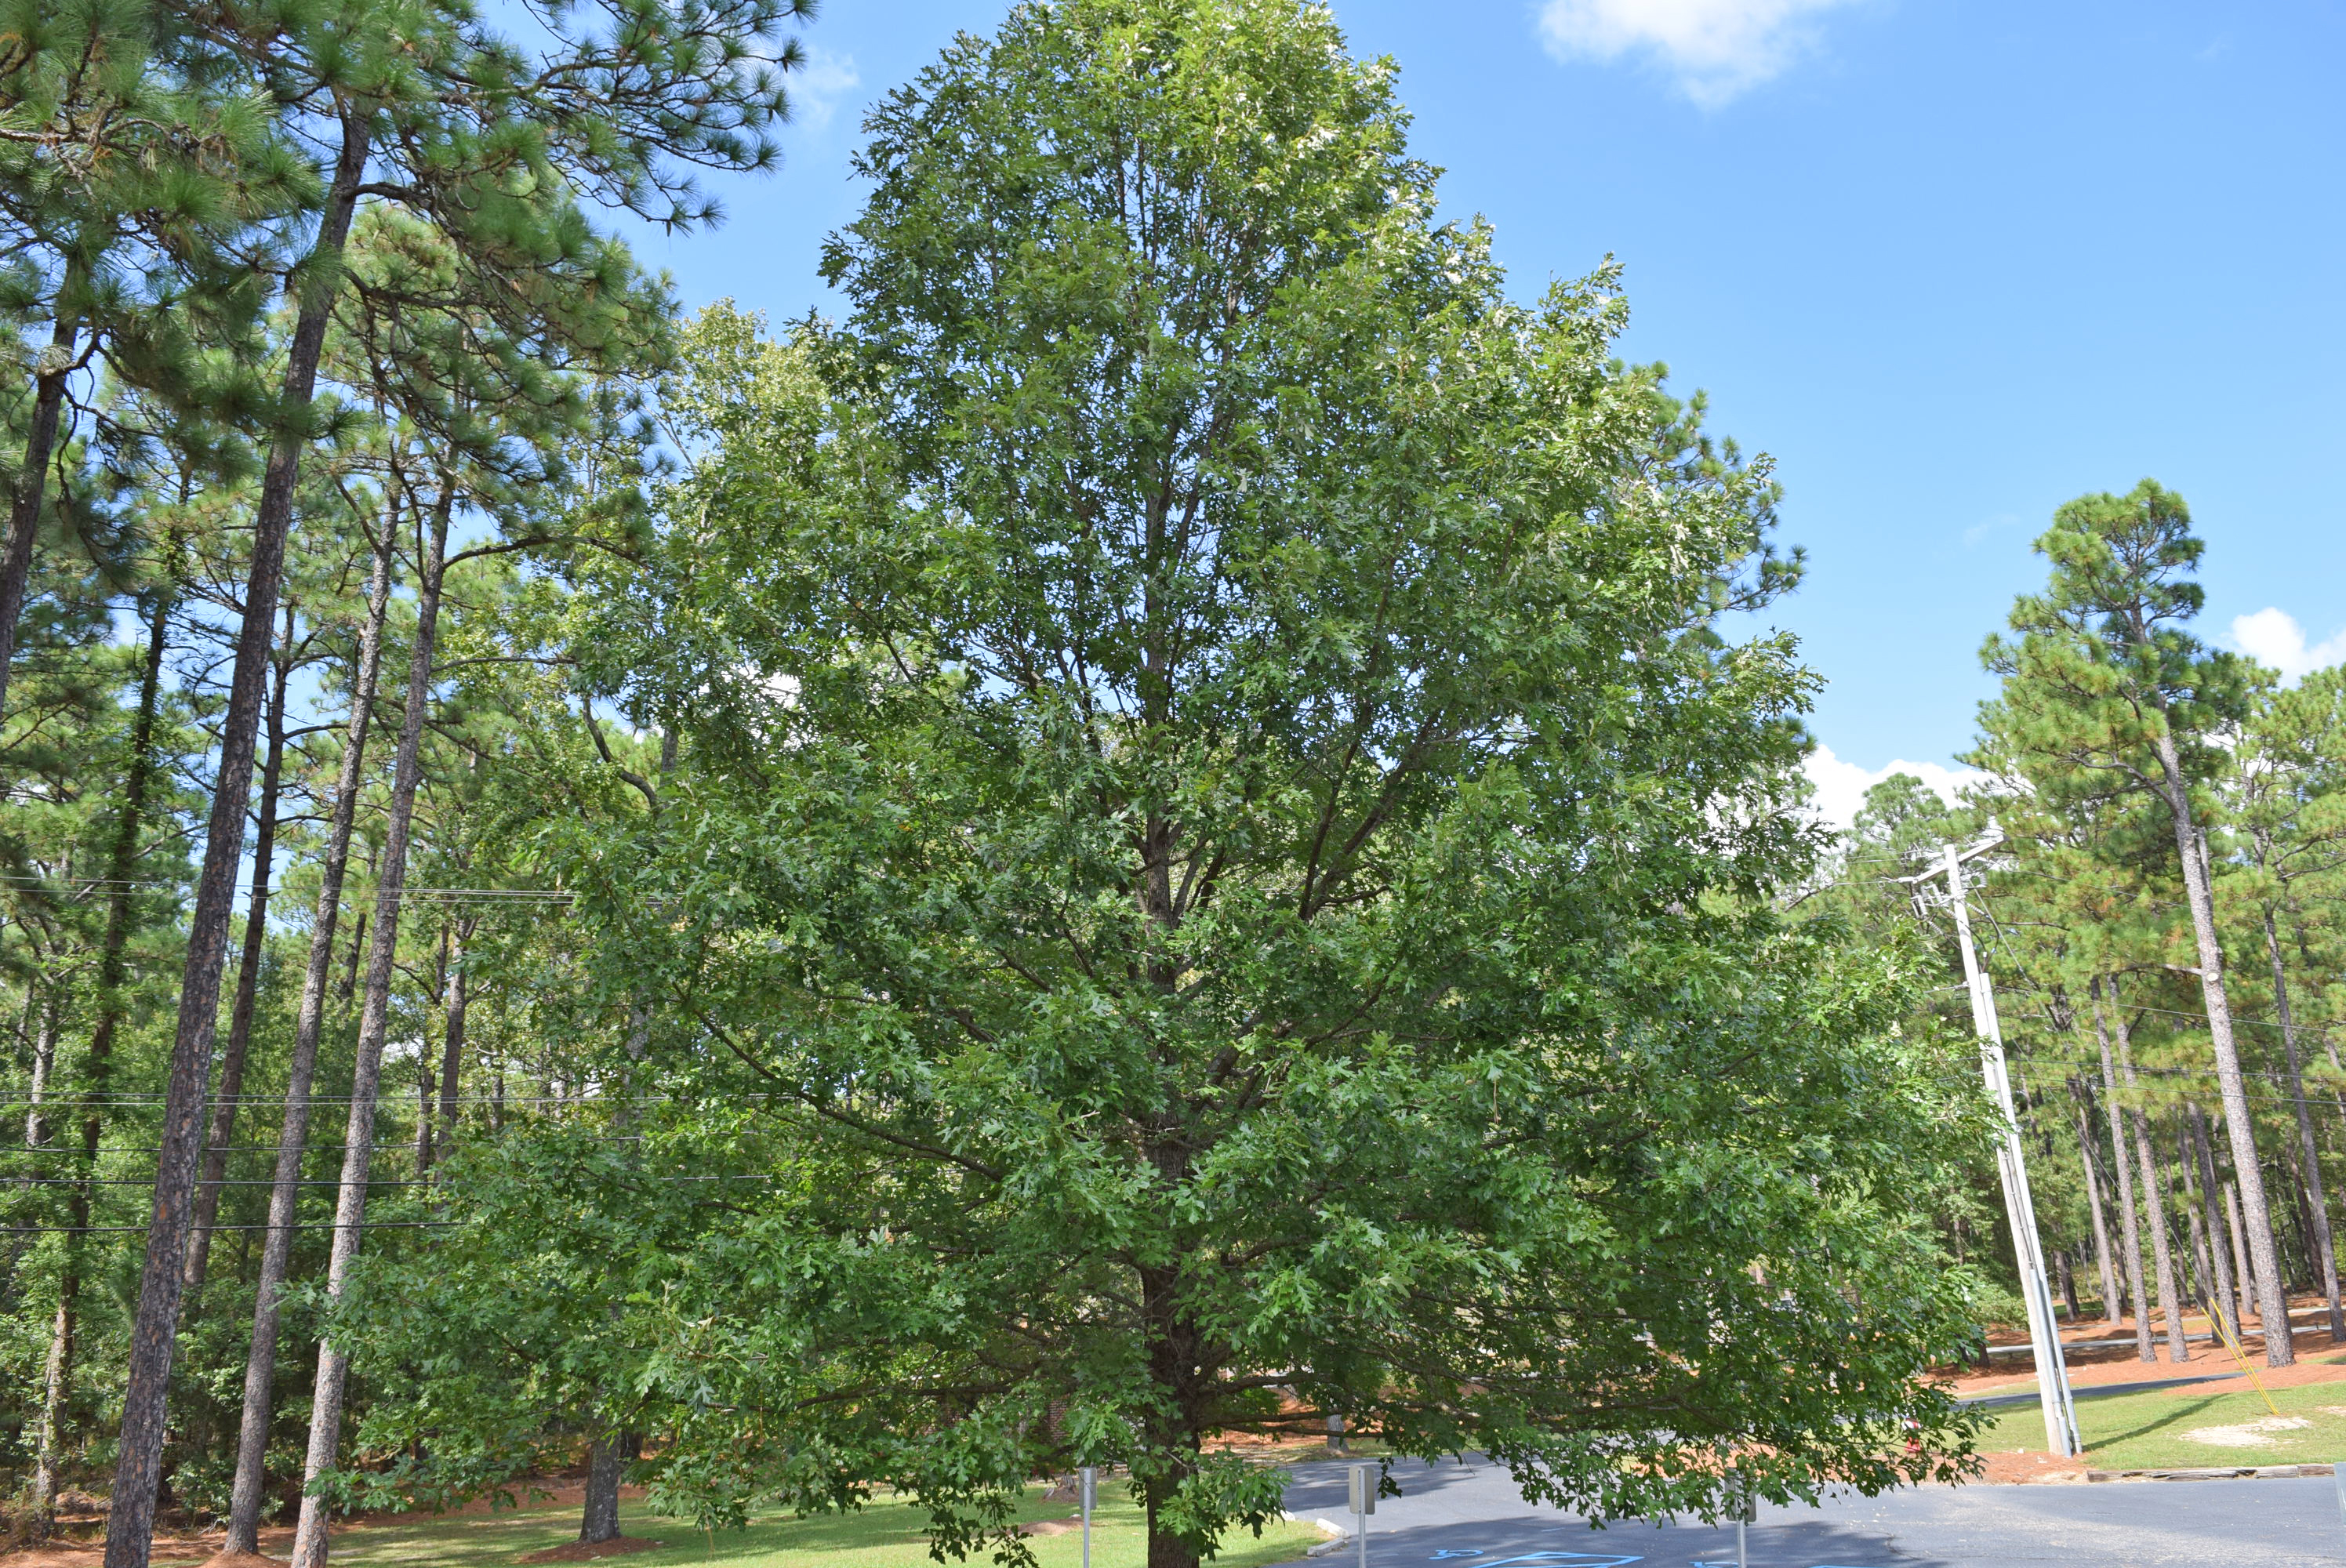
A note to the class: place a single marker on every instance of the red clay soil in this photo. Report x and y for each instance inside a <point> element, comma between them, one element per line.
<point>242,1560</point>
<point>1050,1527</point>
<point>91,1553</point>
<point>587,1551</point>
<point>2120,1364</point>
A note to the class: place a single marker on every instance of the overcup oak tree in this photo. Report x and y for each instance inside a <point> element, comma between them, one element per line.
<point>2106,694</point>
<point>1212,810</point>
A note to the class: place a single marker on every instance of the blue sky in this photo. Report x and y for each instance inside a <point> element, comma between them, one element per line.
<point>1949,264</point>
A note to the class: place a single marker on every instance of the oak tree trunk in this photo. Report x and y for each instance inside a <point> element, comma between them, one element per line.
<point>607,1466</point>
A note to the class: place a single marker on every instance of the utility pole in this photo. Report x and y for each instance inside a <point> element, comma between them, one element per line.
<point>2044,1328</point>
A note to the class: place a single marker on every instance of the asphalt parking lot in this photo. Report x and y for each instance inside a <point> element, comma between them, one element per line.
<point>1472,1516</point>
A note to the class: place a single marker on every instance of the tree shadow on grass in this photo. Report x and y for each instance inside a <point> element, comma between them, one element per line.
<point>887,1532</point>
<point>2194,1408</point>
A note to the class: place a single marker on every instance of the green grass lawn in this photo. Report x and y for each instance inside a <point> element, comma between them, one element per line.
<point>2154,1430</point>
<point>887,1534</point>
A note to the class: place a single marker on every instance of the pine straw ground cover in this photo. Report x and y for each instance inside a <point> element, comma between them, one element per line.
<point>887,1534</point>
<point>2190,1428</point>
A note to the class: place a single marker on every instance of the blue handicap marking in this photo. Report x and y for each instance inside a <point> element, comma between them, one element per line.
<point>1564,1560</point>
<point>1449,1552</point>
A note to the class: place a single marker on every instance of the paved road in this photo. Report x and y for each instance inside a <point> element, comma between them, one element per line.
<point>1472,1516</point>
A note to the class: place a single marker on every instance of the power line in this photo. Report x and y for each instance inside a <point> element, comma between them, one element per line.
<point>299,1225</point>
<point>125,884</point>
<point>240,1181</point>
<point>271,1149</point>
<point>326,1181</point>
<point>66,1100</point>
<point>2093,1065</point>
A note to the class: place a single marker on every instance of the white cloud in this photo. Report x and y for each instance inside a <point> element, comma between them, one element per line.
<point>1716,48</point>
<point>1841,785</point>
<point>817,86</point>
<point>2272,636</point>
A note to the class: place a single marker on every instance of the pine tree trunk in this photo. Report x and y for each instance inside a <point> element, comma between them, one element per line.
<point>2203,1273</point>
<point>32,477</point>
<point>45,1063</point>
<point>56,1375</point>
<point>2130,1229</point>
<point>2173,1301</point>
<point>350,986</point>
<point>2301,1222</point>
<point>138,1471</point>
<point>247,983</point>
<point>121,867</point>
<point>375,1017</point>
<point>2187,1164</point>
<point>422,1114</point>
<point>2202,1291</point>
<point>2192,850</point>
<point>452,1046</point>
<point>246,1496</point>
<point>2325,1252</point>
<point>2226,1292</point>
<point>2162,1243</point>
<point>2113,1307</point>
<point>2242,1269</point>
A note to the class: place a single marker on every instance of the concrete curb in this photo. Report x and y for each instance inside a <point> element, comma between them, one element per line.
<point>2225,1473</point>
<point>1338,1536</point>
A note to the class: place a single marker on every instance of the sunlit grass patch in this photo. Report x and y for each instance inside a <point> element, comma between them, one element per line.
<point>2165,1429</point>
<point>887,1534</point>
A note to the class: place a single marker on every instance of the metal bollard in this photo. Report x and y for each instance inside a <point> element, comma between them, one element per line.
<point>1086,1489</point>
<point>1364,1502</point>
<point>1747,1512</point>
